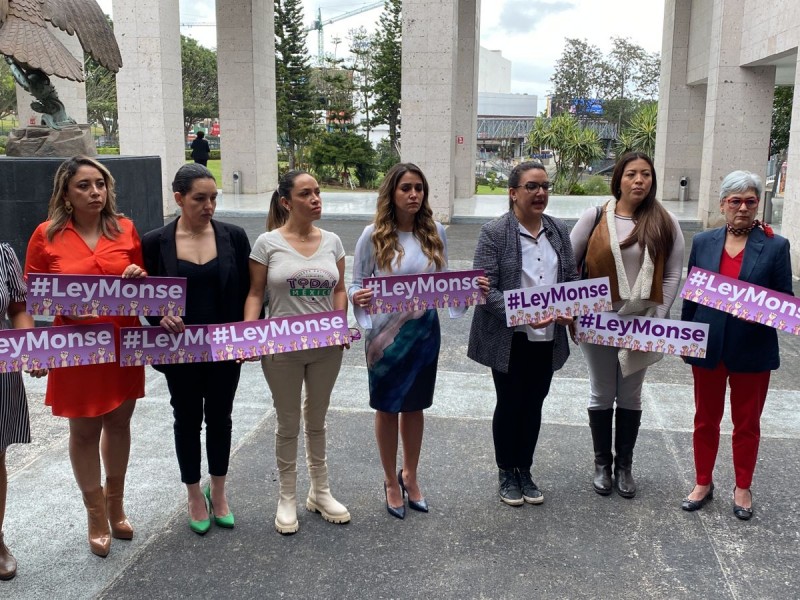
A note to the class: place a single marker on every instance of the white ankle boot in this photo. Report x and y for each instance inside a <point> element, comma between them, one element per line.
<point>319,496</point>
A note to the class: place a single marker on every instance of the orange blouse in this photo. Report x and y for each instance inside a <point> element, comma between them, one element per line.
<point>90,390</point>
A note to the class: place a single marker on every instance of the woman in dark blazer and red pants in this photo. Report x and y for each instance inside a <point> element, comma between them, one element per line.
<point>740,353</point>
<point>214,257</point>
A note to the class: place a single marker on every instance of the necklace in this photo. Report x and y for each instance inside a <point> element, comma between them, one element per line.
<point>192,235</point>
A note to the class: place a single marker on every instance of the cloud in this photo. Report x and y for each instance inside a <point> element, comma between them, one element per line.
<point>522,16</point>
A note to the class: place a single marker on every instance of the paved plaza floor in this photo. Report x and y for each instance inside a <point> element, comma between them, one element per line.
<point>576,545</point>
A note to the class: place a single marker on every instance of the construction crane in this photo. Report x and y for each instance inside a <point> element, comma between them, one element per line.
<point>319,24</point>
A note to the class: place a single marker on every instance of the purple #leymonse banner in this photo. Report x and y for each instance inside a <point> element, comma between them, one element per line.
<point>405,293</point>
<point>531,305</point>
<point>56,347</point>
<point>744,300</point>
<point>647,334</point>
<point>230,341</point>
<point>157,346</point>
<point>52,294</point>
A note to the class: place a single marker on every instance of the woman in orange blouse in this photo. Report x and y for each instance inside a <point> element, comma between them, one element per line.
<point>84,235</point>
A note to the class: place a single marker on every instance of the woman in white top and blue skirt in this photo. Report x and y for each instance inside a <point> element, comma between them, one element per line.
<point>403,347</point>
<point>523,248</point>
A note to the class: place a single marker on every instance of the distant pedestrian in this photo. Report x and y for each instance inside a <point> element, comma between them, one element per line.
<point>402,348</point>
<point>740,353</point>
<point>639,246</point>
<point>302,267</point>
<point>523,248</point>
<point>200,149</point>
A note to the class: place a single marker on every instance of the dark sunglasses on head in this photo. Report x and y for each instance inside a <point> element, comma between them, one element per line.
<point>532,186</point>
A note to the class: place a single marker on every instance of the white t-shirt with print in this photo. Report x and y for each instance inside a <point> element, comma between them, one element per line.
<point>299,285</point>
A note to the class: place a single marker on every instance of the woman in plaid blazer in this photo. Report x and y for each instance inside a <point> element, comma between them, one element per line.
<point>523,248</point>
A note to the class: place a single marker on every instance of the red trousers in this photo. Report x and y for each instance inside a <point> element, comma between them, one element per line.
<point>748,393</point>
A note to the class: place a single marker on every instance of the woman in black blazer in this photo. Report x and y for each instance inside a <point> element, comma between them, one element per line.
<point>740,353</point>
<point>214,257</point>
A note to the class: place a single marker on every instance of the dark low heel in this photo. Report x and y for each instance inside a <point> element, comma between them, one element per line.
<point>693,505</point>
<point>745,514</point>
<point>421,505</point>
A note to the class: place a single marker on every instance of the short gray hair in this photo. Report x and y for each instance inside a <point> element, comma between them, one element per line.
<point>738,182</point>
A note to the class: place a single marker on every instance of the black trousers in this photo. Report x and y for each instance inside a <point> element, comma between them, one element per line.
<point>198,391</point>
<point>520,396</point>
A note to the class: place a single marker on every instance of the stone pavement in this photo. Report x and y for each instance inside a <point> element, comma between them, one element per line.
<point>576,545</point>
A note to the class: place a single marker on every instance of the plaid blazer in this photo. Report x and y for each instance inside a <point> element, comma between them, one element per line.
<point>499,254</point>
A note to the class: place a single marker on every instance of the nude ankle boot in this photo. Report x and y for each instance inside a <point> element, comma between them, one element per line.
<point>319,498</point>
<point>286,455</point>
<point>99,531</point>
<point>121,528</point>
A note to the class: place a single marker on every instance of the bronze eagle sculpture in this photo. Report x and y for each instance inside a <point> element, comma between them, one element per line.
<point>34,53</point>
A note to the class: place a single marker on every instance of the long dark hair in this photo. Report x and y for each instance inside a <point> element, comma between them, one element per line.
<point>278,214</point>
<point>652,224</point>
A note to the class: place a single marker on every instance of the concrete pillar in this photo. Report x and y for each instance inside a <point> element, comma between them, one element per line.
<point>681,108</point>
<point>738,110</point>
<point>465,108</point>
<point>71,93</point>
<point>247,106</point>
<point>790,227</point>
<point>429,96</point>
<point>149,89</point>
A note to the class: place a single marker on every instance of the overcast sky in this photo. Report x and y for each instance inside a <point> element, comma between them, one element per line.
<point>530,33</point>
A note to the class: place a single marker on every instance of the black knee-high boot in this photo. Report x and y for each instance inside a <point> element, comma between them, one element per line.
<point>627,422</point>
<point>600,423</point>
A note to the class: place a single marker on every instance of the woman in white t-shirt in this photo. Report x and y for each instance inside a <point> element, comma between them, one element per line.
<point>302,268</point>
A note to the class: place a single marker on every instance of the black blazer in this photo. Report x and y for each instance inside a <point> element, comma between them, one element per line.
<point>499,253</point>
<point>233,253</point>
<point>744,347</point>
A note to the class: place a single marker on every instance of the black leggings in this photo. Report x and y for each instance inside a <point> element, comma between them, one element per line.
<point>196,391</point>
<point>520,396</point>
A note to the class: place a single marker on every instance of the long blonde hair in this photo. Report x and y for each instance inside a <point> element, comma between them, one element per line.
<point>384,238</point>
<point>57,211</point>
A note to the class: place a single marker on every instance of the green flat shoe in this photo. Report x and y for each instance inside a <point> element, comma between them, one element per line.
<point>202,526</point>
<point>225,521</point>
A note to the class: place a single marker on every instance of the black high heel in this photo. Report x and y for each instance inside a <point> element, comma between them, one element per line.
<point>421,505</point>
<point>395,511</point>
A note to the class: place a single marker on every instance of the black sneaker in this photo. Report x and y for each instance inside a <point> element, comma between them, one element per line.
<point>510,493</point>
<point>530,493</point>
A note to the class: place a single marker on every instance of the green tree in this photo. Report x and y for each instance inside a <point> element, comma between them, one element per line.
<point>101,97</point>
<point>8,91</point>
<point>576,77</point>
<point>294,92</point>
<point>335,89</point>
<point>341,151</point>
<point>361,45</point>
<point>573,147</point>
<point>200,88</point>
<point>640,135</point>
<point>781,120</point>
<point>388,57</point>
<point>618,72</point>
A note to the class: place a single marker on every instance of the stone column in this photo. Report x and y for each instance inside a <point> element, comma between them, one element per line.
<point>790,227</point>
<point>430,30</point>
<point>681,108</point>
<point>738,110</point>
<point>247,106</point>
<point>71,93</point>
<point>149,88</point>
<point>465,106</point>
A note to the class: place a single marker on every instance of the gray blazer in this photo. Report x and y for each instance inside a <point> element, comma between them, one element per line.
<point>500,255</point>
